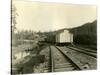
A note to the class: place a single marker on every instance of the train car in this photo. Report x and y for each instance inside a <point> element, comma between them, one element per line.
<point>50,37</point>
<point>86,34</point>
<point>64,37</point>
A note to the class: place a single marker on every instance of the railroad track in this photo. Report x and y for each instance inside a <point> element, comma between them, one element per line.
<point>59,61</point>
<point>85,51</point>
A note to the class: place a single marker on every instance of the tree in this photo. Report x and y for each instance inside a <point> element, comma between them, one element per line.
<point>13,16</point>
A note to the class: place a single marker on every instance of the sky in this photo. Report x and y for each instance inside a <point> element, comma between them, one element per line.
<point>42,16</point>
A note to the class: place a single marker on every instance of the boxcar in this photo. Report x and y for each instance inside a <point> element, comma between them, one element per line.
<point>64,36</point>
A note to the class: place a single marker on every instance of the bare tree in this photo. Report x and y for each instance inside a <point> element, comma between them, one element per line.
<point>13,16</point>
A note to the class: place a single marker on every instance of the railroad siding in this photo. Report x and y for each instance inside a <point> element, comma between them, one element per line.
<point>81,58</point>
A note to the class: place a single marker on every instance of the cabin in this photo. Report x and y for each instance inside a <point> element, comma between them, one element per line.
<point>64,36</point>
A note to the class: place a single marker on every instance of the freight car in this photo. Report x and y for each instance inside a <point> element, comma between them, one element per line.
<point>60,37</point>
<point>50,38</point>
<point>85,34</point>
<point>64,37</point>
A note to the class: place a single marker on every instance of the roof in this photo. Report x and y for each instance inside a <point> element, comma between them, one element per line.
<point>62,30</point>
<point>88,24</point>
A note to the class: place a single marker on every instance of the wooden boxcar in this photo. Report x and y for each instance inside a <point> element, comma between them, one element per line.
<point>64,36</point>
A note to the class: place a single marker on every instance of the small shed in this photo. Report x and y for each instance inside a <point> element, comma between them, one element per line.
<point>64,36</point>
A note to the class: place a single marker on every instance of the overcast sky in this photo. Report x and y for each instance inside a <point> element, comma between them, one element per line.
<point>39,16</point>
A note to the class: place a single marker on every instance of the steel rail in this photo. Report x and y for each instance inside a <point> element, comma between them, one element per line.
<point>51,61</point>
<point>95,56</point>
<point>70,60</point>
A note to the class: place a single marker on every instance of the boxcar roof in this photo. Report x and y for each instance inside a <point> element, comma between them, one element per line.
<point>61,30</point>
